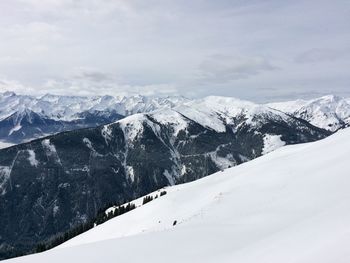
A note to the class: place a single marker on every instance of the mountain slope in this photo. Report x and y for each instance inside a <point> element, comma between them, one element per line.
<point>328,112</point>
<point>276,208</point>
<point>51,184</point>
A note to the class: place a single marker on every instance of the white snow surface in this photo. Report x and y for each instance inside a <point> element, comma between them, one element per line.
<point>291,205</point>
<point>5,172</point>
<point>212,112</point>
<point>17,127</point>
<point>134,125</point>
<point>288,106</point>
<point>31,158</point>
<point>272,142</point>
<point>5,145</point>
<point>50,150</point>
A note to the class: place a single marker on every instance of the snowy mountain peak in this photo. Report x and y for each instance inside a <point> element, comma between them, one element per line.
<point>330,98</point>
<point>67,107</point>
<point>8,94</point>
<point>222,103</point>
<point>328,112</point>
<point>216,112</point>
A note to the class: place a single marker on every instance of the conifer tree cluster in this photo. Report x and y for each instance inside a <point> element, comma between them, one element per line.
<point>81,228</point>
<point>100,218</point>
<point>61,238</point>
<point>147,199</point>
<point>103,217</point>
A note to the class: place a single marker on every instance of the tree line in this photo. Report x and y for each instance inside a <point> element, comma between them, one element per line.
<point>100,218</point>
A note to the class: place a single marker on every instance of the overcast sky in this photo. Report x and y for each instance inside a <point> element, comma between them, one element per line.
<point>257,50</point>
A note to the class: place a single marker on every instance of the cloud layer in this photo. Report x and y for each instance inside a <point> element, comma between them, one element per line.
<point>259,50</point>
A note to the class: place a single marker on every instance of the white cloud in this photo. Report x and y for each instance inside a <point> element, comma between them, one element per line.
<point>89,82</point>
<point>15,86</point>
<point>142,46</point>
<point>226,68</point>
<point>317,55</point>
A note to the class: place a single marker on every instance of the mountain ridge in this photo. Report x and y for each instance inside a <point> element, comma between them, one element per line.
<point>328,112</point>
<point>55,113</point>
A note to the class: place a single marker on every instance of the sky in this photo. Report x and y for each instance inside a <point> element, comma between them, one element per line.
<point>258,50</point>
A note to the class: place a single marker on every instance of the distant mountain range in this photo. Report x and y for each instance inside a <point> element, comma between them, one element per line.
<point>51,184</point>
<point>328,112</point>
<point>23,118</point>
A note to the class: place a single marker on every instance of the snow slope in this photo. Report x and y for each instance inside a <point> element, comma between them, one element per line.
<point>291,205</point>
<point>5,145</point>
<point>215,111</point>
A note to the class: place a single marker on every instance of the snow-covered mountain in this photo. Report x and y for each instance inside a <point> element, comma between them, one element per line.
<point>328,112</point>
<point>287,206</point>
<point>68,108</point>
<point>66,178</point>
<point>23,117</point>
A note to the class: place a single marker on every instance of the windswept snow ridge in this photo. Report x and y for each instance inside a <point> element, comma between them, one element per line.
<point>5,145</point>
<point>287,206</point>
<point>271,143</point>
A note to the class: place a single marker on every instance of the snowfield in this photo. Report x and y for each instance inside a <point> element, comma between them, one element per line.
<point>291,205</point>
<point>5,145</point>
